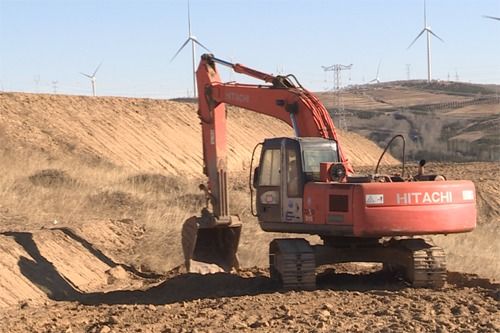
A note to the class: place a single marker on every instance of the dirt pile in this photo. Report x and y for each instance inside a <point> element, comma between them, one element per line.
<point>139,134</point>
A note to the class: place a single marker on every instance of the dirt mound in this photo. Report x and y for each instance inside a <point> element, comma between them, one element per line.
<point>57,265</point>
<point>51,178</point>
<point>146,135</point>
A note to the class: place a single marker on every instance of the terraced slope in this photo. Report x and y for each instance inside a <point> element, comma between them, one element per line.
<point>140,134</point>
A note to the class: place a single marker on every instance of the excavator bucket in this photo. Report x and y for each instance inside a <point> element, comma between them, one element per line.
<point>210,248</point>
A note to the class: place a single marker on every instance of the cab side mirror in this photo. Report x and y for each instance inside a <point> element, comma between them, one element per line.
<point>255,179</point>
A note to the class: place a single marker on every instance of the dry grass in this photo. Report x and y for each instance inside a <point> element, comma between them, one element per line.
<point>70,193</point>
<point>36,191</point>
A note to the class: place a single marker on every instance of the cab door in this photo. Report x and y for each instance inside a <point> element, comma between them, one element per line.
<point>268,194</point>
<point>292,182</point>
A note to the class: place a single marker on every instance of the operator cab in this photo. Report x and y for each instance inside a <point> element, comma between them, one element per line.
<point>286,165</point>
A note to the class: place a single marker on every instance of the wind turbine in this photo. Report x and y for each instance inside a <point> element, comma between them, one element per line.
<point>193,41</point>
<point>427,29</point>
<point>492,17</point>
<point>92,79</point>
<point>376,79</point>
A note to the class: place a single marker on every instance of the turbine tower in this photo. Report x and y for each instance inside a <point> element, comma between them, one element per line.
<point>92,79</point>
<point>377,79</point>
<point>193,41</point>
<point>429,32</point>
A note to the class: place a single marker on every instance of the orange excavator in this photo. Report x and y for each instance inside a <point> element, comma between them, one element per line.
<point>305,185</point>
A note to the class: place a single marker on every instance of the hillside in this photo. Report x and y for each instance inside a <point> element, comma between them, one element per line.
<point>140,134</point>
<point>444,121</point>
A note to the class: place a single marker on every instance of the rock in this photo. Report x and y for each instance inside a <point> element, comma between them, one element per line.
<point>459,310</point>
<point>240,325</point>
<point>152,307</point>
<point>116,273</point>
<point>474,308</point>
<point>328,306</point>
<point>105,329</point>
<point>350,313</point>
<point>382,312</point>
<point>251,320</point>
<point>113,320</point>
<point>441,329</point>
<point>284,307</point>
<point>324,313</point>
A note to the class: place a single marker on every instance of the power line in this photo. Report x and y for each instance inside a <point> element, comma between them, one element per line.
<point>339,109</point>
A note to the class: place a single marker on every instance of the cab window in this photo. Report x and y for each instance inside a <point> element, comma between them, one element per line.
<point>292,175</point>
<point>313,156</point>
<point>270,169</point>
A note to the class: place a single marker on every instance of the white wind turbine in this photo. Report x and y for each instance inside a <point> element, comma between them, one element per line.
<point>92,79</point>
<point>429,32</point>
<point>193,41</point>
<point>377,79</point>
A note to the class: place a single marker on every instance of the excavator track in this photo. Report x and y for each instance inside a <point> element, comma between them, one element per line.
<point>292,262</point>
<point>427,264</point>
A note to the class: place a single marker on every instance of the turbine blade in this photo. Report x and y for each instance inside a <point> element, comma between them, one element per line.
<point>97,68</point>
<point>86,75</point>
<point>200,44</point>
<point>425,15</point>
<point>378,67</point>
<point>420,34</point>
<point>189,20</point>
<point>180,49</point>
<point>432,33</point>
<point>492,17</point>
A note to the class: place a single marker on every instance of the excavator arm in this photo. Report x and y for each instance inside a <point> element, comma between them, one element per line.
<point>282,99</point>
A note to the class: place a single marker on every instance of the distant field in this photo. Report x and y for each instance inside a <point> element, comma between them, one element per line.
<point>441,121</point>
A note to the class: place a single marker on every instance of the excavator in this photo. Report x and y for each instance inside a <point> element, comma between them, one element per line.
<point>305,185</point>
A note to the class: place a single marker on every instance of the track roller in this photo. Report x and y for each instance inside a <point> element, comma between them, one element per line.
<point>426,267</point>
<point>292,262</point>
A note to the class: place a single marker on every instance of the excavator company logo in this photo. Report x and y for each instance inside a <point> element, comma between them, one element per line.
<point>240,98</point>
<point>423,198</point>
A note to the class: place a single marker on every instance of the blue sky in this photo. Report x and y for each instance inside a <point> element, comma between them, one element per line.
<point>50,40</point>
